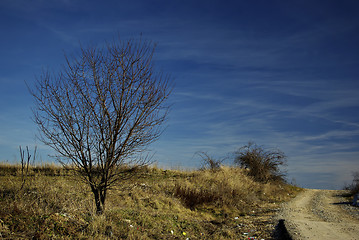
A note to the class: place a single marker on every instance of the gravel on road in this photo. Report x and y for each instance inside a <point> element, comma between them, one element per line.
<point>321,214</point>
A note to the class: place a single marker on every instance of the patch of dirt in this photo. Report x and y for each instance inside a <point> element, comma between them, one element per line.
<point>319,214</point>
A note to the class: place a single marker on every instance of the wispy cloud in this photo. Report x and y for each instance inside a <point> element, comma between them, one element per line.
<point>285,78</point>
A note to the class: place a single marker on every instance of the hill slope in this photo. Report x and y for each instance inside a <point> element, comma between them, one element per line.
<point>154,204</point>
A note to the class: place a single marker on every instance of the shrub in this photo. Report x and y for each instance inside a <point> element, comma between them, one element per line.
<point>263,165</point>
<point>356,183</point>
<point>209,162</point>
<point>354,186</point>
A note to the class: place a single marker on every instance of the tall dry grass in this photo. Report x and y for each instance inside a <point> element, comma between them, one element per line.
<point>47,169</point>
<point>156,204</point>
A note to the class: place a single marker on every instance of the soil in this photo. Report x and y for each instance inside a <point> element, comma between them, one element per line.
<point>320,214</point>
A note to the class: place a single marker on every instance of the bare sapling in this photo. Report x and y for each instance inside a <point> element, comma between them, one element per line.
<point>25,164</point>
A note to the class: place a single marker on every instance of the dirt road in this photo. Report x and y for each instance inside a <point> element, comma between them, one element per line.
<point>318,214</point>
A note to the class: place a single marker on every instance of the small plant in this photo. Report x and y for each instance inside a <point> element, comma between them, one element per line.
<point>25,163</point>
<point>263,165</point>
<point>354,186</point>
<point>209,162</point>
<point>356,183</point>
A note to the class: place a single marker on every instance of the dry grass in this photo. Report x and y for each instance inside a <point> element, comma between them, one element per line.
<point>157,204</point>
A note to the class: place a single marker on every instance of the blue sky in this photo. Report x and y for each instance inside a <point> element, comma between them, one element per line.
<point>281,73</point>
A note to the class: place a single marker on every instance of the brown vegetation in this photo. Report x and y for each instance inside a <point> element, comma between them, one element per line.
<point>354,186</point>
<point>263,165</point>
<point>157,204</point>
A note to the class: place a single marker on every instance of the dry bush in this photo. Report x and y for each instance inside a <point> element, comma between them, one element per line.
<point>227,187</point>
<point>263,165</point>
<point>209,162</point>
<point>354,186</point>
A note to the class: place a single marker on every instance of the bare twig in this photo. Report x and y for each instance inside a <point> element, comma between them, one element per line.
<point>25,164</point>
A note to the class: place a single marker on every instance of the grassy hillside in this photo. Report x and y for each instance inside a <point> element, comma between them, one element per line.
<point>155,204</point>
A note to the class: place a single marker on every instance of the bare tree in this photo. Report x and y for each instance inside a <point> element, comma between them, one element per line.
<point>101,111</point>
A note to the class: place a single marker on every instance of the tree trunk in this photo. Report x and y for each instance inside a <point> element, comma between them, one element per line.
<point>100,197</point>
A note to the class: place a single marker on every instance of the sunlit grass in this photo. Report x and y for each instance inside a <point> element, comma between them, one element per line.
<point>155,204</point>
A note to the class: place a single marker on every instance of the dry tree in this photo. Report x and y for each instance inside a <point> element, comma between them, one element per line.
<point>101,111</point>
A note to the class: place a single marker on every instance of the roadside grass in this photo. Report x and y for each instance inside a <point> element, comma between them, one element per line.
<point>154,204</point>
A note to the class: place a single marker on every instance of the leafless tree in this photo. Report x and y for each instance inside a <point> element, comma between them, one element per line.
<point>101,111</point>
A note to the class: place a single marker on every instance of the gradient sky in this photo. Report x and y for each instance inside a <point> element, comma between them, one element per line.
<point>280,73</point>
